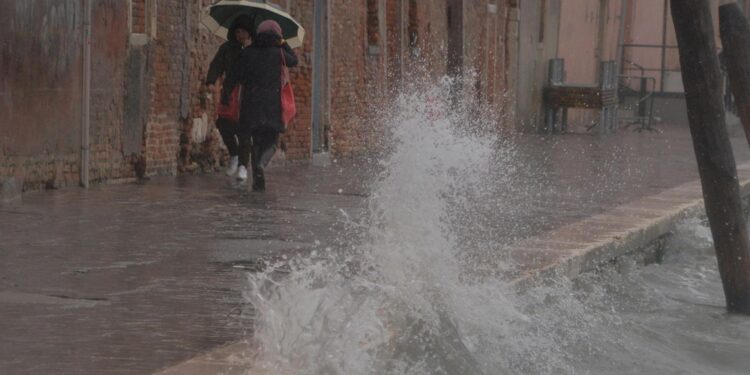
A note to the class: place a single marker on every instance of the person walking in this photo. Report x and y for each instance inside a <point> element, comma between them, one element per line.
<point>261,121</point>
<point>223,64</point>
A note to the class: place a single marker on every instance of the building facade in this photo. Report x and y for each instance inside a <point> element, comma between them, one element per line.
<point>150,114</point>
<point>639,36</point>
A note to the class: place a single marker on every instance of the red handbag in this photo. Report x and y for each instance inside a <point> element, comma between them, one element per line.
<point>288,105</point>
<point>230,111</point>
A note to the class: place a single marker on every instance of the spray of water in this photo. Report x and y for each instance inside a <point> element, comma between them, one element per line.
<point>414,286</point>
<point>397,300</point>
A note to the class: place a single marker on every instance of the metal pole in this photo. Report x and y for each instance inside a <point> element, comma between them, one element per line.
<point>86,94</point>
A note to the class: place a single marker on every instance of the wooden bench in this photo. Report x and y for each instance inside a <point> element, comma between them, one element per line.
<point>557,97</point>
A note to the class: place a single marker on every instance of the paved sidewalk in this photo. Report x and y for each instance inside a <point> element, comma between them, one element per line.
<point>132,279</point>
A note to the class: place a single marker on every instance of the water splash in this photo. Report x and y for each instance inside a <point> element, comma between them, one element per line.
<point>396,300</point>
<point>414,286</point>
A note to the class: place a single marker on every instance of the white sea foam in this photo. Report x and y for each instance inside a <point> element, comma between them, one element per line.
<point>411,288</point>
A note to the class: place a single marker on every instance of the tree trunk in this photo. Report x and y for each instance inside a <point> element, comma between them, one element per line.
<point>718,172</point>
<point>735,38</point>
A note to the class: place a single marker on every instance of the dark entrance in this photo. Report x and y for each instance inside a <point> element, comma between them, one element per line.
<point>455,37</point>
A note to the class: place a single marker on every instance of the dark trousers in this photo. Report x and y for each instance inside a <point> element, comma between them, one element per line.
<point>258,149</point>
<point>228,131</point>
<point>263,149</point>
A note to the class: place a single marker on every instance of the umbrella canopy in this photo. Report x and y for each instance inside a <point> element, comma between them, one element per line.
<point>220,17</point>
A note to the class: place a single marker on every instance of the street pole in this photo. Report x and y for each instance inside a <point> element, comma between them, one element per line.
<point>735,39</point>
<point>718,172</point>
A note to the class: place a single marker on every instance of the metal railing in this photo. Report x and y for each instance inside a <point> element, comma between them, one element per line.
<point>644,105</point>
<point>661,71</point>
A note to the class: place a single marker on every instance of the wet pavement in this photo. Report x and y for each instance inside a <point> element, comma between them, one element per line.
<point>130,279</point>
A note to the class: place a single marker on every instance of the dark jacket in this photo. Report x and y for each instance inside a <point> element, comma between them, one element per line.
<point>259,72</point>
<point>227,56</point>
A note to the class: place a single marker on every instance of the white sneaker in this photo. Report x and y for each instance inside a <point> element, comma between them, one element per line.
<point>234,161</point>
<point>242,174</point>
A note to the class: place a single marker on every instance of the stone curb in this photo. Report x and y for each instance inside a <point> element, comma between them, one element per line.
<point>632,228</point>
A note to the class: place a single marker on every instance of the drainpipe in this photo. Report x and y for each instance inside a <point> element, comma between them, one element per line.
<point>86,94</point>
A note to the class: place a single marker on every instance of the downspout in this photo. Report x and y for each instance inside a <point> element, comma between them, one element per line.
<point>86,94</point>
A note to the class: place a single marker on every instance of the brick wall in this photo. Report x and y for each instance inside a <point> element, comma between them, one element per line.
<point>200,145</point>
<point>348,74</point>
<point>296,142</point>
<point>109,50</point>
<point>168,85</point>
<point>150,111</point>
<point>432,20</point>
<point>485,55</point>
<point>365,75</point>
<point>138,16</point>
<point>396,33</point>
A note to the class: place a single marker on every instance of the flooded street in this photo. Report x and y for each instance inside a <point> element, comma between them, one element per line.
<point>666,318</point>
<point>318,187</point>
<point>128,279</point>
<point>627,318</point>
<point>377,266</point>
<point>417,286</point>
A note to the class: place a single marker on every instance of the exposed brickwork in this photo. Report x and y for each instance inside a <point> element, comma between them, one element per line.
<point>432,21</point>
<point>110,45</point>
<point>485,55</point>
<point>347,72</point>
<point>395,47</point>
<point>296,142</point>
<point>171,87</point>
<point>206,152</point>
<point>138,16</point>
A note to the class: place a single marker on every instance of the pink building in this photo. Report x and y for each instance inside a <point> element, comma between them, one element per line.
<point>639,35</point>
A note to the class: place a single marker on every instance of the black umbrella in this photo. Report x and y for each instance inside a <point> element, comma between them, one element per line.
<point>220,17</point>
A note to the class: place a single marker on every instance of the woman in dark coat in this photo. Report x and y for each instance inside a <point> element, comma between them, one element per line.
<point>223,63</point>
<point>260,117</point>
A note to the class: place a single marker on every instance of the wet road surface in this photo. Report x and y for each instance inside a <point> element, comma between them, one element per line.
<point>133,278</point>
